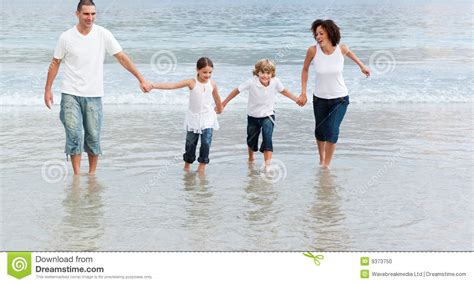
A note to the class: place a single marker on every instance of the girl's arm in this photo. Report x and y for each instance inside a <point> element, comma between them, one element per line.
<point>304,74</point>
<point>232,95</point>
<point>292,97</point>
<point>171,86</point>
<point>347,52</point>
<point>217,99</point>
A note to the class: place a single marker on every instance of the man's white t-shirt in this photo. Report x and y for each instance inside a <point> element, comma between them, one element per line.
<point>83,57</point>
<point>261,99</point>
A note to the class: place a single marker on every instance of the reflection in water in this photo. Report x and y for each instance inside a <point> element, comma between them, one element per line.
<point>326,216</point>
<point>82,226</point>
<point>260,211</point>
<point>199,220</point>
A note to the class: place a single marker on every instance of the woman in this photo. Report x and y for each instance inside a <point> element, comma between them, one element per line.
<point>330,99</point>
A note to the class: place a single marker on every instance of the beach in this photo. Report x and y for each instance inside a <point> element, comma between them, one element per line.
<point>396,183</point>
<point>401,178</point>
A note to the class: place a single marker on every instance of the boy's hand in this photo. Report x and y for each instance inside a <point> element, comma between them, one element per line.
<point>146,86</point>
<point>302,99</point>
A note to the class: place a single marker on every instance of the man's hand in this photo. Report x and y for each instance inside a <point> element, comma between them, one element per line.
<point>48,98</point>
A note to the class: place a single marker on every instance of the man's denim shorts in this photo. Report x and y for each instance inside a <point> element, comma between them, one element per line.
<point>78,113</point>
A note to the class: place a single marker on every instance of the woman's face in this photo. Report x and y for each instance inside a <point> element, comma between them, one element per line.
<point>321,37</point>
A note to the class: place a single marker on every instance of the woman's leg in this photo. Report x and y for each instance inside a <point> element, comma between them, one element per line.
<point>321,146</point>
<point>338,110</point>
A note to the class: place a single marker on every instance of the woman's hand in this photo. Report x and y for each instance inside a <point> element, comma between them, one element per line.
<point>302,99</point>
<point>365,70</point>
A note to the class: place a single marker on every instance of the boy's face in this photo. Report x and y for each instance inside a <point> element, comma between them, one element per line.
<point>264,77</point>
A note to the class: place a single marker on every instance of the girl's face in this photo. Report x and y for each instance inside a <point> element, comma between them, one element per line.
<point>205,73</point>
<point>264,77</point>
<point>321,37</point>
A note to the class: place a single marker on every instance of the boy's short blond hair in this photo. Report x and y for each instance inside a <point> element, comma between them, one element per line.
<point>265,66</point>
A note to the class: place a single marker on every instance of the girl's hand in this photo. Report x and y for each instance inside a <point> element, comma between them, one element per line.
<point>365,70</point>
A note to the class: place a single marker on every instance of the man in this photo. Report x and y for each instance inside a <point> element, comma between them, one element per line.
<point>82,49</point>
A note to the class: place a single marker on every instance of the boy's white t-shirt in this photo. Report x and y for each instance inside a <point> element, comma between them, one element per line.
<point>261,99</point>
<point>83,57</point>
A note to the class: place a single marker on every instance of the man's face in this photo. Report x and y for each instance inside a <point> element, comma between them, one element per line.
<point>86,16</point>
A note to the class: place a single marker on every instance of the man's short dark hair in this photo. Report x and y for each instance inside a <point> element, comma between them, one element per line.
<point>330,27</point>
<point>84,3</point>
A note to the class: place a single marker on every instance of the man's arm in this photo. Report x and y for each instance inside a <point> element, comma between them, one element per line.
<point>52,72</point>
<point>123,59</point>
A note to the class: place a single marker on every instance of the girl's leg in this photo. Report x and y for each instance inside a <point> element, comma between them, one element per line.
<point>267,155</point>
<point>321,151</point>
<point>206,140</point>
<point>190,149</point>
<point>251,157</point>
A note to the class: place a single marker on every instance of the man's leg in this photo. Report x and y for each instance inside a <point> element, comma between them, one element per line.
<point>92,113</point>
<point>71,117</point>
<point>93,160</point>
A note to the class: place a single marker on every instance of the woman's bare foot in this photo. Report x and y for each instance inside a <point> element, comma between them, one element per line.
<point>187,166</point>
<point>326,167</point>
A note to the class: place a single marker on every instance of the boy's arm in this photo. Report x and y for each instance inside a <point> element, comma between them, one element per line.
<point>171,86</point>
<point>292,97</point>
<point>232,95</point>
<point>217,99</point>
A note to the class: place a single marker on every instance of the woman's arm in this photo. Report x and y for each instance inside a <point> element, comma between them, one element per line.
<point>232,95</point>
<point>292,97</point>
<point>217,99</point>
<point>347,52</point>
<point>304,74</point>
<point>171,86</point>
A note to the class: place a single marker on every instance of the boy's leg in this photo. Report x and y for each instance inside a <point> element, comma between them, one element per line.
<point>189,155</point>
<point>267,141</point>
<point>92,113</point>
<point>253,131</point>
<point>206,140</point>
<point>71,117</point>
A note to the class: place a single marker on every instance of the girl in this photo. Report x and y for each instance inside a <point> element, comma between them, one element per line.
<point>330,99</point>
<point>201,119</point>
<point>262,89</point>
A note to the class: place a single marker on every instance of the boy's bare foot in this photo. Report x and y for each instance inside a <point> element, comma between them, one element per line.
<point>202,167</point>
<point>187,166</point>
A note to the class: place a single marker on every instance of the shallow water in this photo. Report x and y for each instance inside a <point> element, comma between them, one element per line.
<point>401,179</point>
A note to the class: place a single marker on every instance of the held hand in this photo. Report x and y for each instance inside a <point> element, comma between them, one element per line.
<point>146,86</point>
<point>48,99</point>
<point>302,99</point>
<point>366,71</point>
